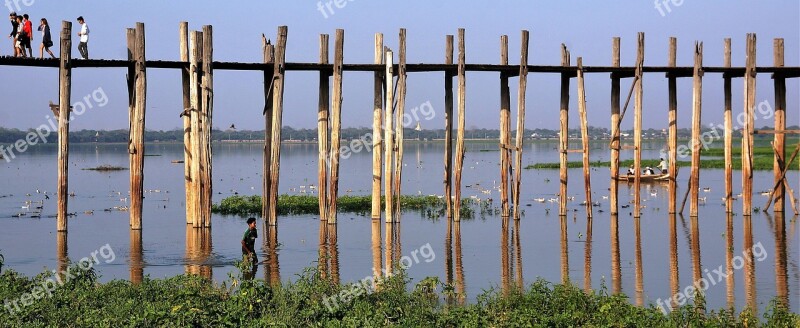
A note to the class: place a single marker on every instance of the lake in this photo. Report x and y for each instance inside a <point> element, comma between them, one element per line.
<point>648,259</point>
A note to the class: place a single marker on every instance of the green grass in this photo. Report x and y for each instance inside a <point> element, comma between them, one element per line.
<point>430,206</point>
<point>191,301</point>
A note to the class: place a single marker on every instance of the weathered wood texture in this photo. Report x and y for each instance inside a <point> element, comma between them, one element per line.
<point>136,148</point>
<point>64,103</point>
<point>277,123</point>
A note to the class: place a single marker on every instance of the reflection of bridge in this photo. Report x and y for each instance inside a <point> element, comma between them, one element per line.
<point>197,67</point>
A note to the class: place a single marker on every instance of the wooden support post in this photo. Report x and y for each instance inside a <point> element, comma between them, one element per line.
<point>195,72</point>
<point>587,177</point>
<point>207,94</point>
<point>697,103</point>
<point>615,134</point>
<point>728,134</point>
<point>505,142</point>
<point>136,148</point>
<point>462,98</point>
<point>377,140</point>
<point>64,99</point>
<point>336,124</point>
<point>520,135</point>
<point>399,135</point>
<point>672,189</point>
<point>322,128</point>
<point>747,133</point>
<point>637,129</point>
<point>563,137</point>
<point>186,116</point>
<point>269,58</point>
<point>389,139</point>
<point>277,123</point>
<point>779,138</point>
<point>448,127</point>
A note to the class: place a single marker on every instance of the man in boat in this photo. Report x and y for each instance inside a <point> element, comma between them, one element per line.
<point>631,171</point>
<point>663,166</point>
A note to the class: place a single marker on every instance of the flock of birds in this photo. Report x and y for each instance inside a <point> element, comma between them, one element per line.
<point>33,208</point>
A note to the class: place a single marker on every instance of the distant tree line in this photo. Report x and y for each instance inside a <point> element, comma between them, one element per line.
<point>8,136</point>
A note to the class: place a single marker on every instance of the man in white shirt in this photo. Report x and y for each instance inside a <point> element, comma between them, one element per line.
<point>663,166</point>
<point>84,35</point>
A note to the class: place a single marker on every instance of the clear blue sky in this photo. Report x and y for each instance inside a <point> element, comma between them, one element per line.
<point>586,27</point>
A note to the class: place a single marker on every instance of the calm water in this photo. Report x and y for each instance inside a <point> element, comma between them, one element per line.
<point>647,259</point>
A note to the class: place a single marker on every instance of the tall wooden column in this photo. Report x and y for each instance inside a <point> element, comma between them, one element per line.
<point>136,148</point>
<point>277,123</point>
<point>64,101</point>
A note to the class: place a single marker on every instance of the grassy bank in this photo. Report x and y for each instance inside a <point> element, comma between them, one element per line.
<point>185,301</point>
<point>430,206</point>
<point>762,160</point>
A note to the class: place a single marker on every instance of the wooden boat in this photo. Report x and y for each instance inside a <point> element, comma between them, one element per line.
<point>177,161</point>
<point>652,178</point>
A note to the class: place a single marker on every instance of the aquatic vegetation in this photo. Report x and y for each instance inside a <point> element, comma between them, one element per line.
<point>187,301</point>
<point>429,206</point>
<point>106,168</point>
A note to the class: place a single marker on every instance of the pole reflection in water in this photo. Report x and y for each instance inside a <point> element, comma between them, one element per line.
<point>749,266</point>
<point>377,263</point>
<point>564,251</point>
<point>616,274</point>
<point>61,251</point>
<point>460,284</point>
<point>323,249</point>
<point>505,263</point>
<point>674,277</point>
<point>136,258</point>
<point>453,256</point>
<point>518,250</point>
<point>271,265</point>
<point>510,257</point>
<point>781,286</point>
<point>448,261</point>
<point>329,251</point>
<point>587,256</point>
<point>697,266</point>
<point>198,251</point>
<point>639,276</point>
<point>333,252</point>
<point>729,281</point>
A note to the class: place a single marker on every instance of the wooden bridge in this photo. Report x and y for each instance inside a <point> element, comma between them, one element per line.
<point>197,66</point>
